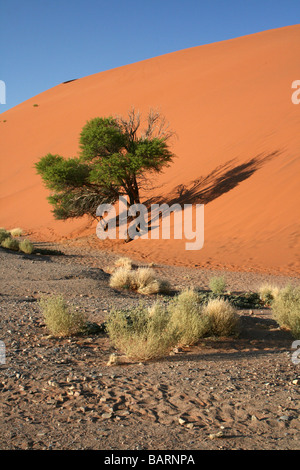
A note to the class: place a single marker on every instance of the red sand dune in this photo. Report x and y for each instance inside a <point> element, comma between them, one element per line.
<point>238,135</point>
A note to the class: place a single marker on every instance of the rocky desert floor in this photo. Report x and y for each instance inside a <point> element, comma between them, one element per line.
<point>60,394</point>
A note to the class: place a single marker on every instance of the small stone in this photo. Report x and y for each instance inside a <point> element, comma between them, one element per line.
<point>106,415</point>
<point>181,421</point>
<point>296,382</point>
<point>283,418</point>
<point>217,435</point>
<point>52,383</point>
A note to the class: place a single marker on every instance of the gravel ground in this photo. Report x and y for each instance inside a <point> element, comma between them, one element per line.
<point>226,393</point>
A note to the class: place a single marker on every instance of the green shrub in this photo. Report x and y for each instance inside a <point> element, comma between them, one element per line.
<point>187,319</point>
<point>11,244</point>
<point>141,333</point>
<point>4,234</point>
<point>217,285</point>
<point>286,309</point>
<point>26,247</point>
<point>60,318</point>
<point>223,317</point>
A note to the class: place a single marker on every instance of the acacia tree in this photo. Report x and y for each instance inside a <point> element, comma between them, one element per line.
<point>116,157</point>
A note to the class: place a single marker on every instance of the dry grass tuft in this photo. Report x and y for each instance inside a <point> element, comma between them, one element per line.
<point>10,243</point>
<point>61,319</point>
<point>187,317</point>
<point>223,317</point>
<point>26,247</point>
<point>123,262</point>
<point>121,278</point>
<point>141,334</point>
<point>16,232</point>
<point>217,285</point>
<point>142,280</point>
<point>267,293</point>
<point>286,309</point>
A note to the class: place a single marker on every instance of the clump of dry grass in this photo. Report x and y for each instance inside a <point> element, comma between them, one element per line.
<point>123,262</point>
<point>150,332</point>
<point>60,318</point>
<point>121,278</point>
<point>223,317</point>
<point>26,247</point>
<point>217,285</point>
<point>187,318</point>
<point>10,243</point>
<point>286,309</point>
<point>145,281</point>
<point>267,293</point>
<point>16,232</point>
<point>142,333</point>
<point>141,280</point>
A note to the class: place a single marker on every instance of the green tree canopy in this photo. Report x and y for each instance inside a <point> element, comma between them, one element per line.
<point>116,157</point>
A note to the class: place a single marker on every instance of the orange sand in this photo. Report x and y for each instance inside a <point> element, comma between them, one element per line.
<point>230,105</point>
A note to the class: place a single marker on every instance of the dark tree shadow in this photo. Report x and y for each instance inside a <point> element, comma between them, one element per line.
<point>222,179</point>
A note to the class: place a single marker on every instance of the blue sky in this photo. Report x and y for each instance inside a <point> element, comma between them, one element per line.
<point>46,42</point>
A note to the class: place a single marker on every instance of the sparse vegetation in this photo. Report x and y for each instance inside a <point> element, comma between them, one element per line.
<point>187,319</point>
<point>144,333</point>
<point>223,317</point>
<point>121,278</point>
<point>10,243</point>
<point>268,293</point>
<point>145,281</point>
<point>123,262</point>
<point>217,285</point>
<point>8,239</point>
<point>26,247</point>
<point>141,280</point>
<point>4,234</point>
<point>141,333</point>
<point>286,309</point>
<point>16,232</point>
<point>61,319</point>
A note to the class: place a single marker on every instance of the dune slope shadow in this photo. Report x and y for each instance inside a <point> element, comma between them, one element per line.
<point>222,179</point>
